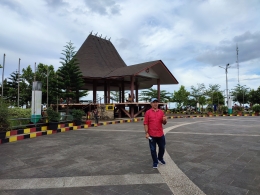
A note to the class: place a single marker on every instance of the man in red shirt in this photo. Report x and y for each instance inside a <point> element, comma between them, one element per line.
<point>153,120</point>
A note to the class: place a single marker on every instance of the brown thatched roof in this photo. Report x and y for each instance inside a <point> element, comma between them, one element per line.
<point>98,57</point>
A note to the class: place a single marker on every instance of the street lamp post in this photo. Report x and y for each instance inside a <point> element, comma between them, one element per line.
<point>228,97</point>
<point>18,83</point>
<point>3,76</point>
<point>47,86</point>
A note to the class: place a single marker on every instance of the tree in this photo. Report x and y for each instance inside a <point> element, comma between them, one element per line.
<point>26,86</point>
<point>181,97</point>
<point>147,95</point>
<point>254,96</point>
<point>44,73</point>
<point>202,101</point>
<point>114,95</point>
<point>70,79</point>
<point>212,93</point>
<point>12,88</point>
<point>240,94</point>
<point>197,92</point>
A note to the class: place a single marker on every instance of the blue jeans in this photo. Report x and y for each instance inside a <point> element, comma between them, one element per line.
<point>160,141</point>
<point>96,119</point>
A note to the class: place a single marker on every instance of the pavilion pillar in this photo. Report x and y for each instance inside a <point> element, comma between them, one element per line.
<point>136,92</point>
<point>123,91</point>
<point>119,99</point>
<point>94,91</point>
<point>132,96</point>
<point>105,91</point>
<point>108,91</point>
<point>132,87</point>
<point>158,90</point>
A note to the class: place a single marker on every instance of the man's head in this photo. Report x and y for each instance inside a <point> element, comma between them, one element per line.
<point>154,103</point>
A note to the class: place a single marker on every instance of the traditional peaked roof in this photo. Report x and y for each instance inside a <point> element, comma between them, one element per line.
<point>98,58</point>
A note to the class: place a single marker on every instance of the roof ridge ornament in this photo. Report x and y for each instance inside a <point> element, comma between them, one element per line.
<point>96,34</point>
<point>91,32</point>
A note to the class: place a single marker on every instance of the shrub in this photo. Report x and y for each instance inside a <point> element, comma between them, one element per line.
<point>209,109</point>
<point>256,108</point>
<point>53,116</point>
<point>4,116</point>
<point>16,113</point>
<point>77,114</point>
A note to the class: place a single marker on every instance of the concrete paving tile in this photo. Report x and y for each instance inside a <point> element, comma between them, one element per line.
<point>185,166</point>
<point>199,165</point>
<point>136,192</point>
<point>253,192</point>
<point>223,179</point>
<point>177,154</point>
<point>2,192</point>
<point>123,189</point>
<point>155,189</point>
<point>249,185</point>
<point>101,190</point>
<point>242,176</point>
<point>23,173</point>
<point>236,167</point>
<point>227,189</point>
<point>191,174</point>
<point>213,172</point>
<point>252,169</point>
<point>17,192</point>
<point>203,179</point>
<point>244,159</point>
<point>60,191</point>
<point>210,190</point>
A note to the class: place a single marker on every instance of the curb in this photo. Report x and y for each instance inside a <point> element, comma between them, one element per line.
<point>20,134</point>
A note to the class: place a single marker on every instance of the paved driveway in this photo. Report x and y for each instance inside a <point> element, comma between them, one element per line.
<point>204,155</point>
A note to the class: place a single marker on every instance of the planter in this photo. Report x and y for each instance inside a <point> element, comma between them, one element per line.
<point>77,122</point>
<point>2,135</point>
<point>53,125</point>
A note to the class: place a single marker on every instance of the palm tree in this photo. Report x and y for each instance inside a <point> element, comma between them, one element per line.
<point>150,93</point>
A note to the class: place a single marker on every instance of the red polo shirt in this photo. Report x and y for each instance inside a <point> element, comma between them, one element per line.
<point>154,118</point>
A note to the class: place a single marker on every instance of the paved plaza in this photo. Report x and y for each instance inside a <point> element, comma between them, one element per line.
<point>211,155</point>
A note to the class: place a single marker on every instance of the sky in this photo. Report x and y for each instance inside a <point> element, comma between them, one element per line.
<point>192,37</point>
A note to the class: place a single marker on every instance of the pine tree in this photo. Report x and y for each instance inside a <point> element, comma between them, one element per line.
<point>70,79</point>
<point>12,88</point>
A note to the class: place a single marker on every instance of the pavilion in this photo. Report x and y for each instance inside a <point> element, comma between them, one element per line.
<point>104,70</point>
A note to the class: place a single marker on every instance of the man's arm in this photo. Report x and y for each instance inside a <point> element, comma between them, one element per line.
<point>146,131</point>
<point>164,121</point>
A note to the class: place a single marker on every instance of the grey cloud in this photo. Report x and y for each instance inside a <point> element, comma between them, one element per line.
<point>248,45</point>
<point>123,43</point>
<point>103,7</point>
<point>252,79</point>
<point>247,36</point>
<point>55,3</point>
<point>14,6</point>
